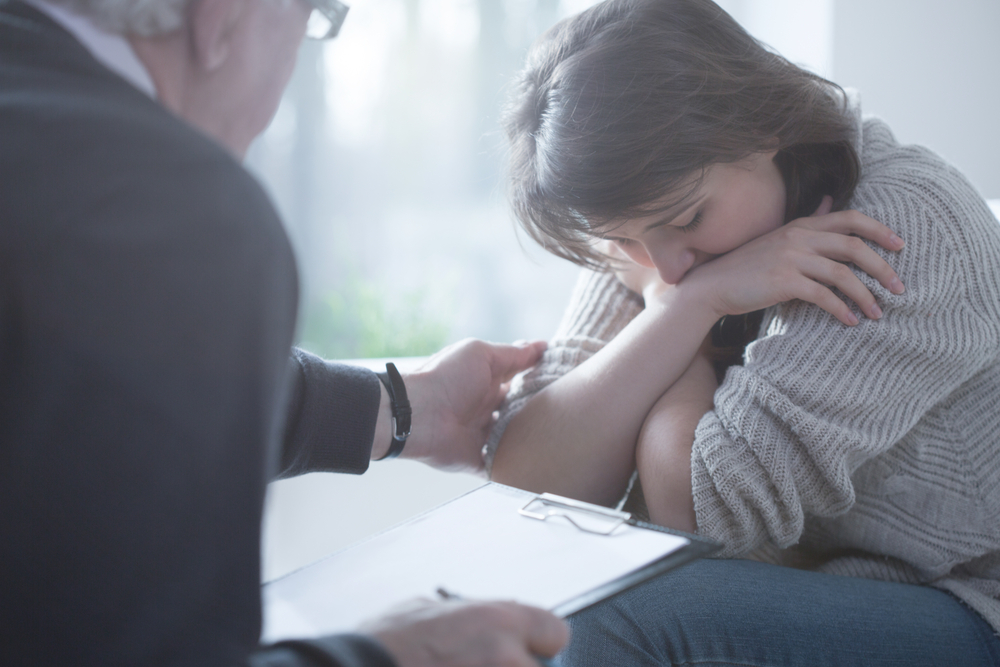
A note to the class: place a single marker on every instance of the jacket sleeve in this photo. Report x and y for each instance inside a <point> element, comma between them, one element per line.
<point>332,414</point>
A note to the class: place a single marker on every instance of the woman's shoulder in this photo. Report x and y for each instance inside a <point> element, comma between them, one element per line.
<point>946,223</point>
<point>885,160</point>
<point>910,175</point>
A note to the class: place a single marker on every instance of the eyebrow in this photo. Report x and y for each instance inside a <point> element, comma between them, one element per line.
<point>667,219</point>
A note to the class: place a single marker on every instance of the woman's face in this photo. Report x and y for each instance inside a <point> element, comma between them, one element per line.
<point>734,204</point>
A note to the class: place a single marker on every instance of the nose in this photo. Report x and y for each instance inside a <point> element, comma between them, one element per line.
<point>672,260</point>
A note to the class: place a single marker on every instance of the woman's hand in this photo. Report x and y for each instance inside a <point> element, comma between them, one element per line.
<point>801,260</point>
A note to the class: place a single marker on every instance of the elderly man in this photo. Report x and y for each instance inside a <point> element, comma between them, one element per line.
<point>147,305</point>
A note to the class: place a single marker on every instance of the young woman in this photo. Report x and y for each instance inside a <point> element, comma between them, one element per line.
<point>707,180</point>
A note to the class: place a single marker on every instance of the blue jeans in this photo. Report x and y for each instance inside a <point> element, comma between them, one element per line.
<point>747,614</point>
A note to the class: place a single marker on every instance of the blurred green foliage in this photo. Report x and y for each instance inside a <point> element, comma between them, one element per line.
<point>357,321</point>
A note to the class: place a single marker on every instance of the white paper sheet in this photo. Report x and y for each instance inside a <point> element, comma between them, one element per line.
<point>477,546</point>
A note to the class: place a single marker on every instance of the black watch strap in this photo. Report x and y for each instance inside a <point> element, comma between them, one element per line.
<point>401,412</point>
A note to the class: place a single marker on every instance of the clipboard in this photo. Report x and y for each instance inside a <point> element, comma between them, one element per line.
<point>494,542</point>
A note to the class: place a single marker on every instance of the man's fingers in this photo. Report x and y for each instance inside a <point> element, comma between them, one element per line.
<point>509,360</point>
<point>470,634</point>
<point>546,634</point>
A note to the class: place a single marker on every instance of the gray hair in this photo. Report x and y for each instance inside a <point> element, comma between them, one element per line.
<point>134,17</point>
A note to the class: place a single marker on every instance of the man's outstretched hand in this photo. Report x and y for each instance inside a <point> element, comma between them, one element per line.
<point>469,634</point>
<point>454,396</point>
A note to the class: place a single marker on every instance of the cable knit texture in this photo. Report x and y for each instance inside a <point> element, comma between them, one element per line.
<point>869,451</point>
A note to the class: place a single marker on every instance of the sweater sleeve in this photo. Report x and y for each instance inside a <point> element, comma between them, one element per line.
<point>816,399</point>
<point>332,413</point>
<point>599,308</point>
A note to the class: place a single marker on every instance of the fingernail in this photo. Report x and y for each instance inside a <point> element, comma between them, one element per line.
<point>520,343</point>
<point>896,286</point>
<point>896,241</point>
<point>876,311</point>
<point>852,318</point>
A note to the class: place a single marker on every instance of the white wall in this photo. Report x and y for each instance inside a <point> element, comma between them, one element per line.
<point>931,69</point>
<point>800,30</point>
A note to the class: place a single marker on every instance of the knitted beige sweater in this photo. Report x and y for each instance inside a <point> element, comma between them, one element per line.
<point>870,451</point>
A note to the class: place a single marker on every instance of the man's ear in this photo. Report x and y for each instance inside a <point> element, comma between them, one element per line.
<point>213,25</point>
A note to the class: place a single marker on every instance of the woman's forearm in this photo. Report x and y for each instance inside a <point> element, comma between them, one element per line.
<point>577,436</point>
<point>663,453</point>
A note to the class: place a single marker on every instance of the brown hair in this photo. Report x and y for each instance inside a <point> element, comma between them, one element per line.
<point>619,106</point>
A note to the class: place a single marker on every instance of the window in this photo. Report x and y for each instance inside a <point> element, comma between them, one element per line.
<point>385,159</point>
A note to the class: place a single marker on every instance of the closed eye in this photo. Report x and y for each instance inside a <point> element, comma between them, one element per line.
<point>691,226</point>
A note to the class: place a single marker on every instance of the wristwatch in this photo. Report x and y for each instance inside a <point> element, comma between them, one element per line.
<point>401,411</point>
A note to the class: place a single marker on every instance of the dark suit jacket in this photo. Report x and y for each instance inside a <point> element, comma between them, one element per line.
<point>147,305</point>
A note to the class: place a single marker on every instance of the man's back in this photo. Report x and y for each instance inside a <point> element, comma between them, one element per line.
<point>147,303</point>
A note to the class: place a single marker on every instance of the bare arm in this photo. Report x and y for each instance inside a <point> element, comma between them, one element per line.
<point>663,452</point>
<point>577,436</point>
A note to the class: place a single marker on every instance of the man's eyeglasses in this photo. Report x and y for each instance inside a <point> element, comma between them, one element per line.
<point>326,18</point>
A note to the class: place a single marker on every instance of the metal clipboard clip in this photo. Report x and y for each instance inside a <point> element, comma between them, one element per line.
<point>602,520</point>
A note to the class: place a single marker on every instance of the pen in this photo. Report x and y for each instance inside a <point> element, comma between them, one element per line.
<point>445,594</point>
